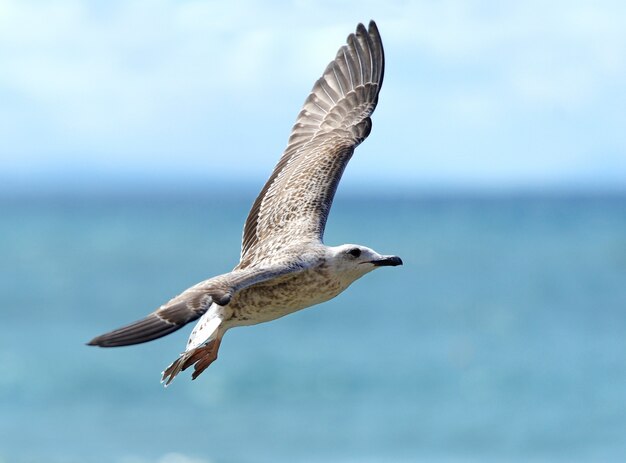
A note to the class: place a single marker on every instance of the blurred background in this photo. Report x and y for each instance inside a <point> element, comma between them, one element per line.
<point>135,135</point>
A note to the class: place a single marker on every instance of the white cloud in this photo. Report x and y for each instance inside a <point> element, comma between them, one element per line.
<point>129,81</point>
<point>550,53</point>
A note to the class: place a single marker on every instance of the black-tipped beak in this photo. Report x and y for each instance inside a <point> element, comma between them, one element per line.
<point>387,261</point>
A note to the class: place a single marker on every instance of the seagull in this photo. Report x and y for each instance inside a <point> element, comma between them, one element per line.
<point>284,265</point>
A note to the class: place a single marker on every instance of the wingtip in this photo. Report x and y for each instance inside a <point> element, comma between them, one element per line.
<point>94,342</point>
<point>103,340</point>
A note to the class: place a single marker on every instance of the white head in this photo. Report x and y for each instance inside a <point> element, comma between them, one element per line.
<point>353,260</point>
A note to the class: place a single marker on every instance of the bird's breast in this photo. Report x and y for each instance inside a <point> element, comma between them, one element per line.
<point>274,299</point>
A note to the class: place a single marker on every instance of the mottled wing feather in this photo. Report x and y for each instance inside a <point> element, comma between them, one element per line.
<point>296,199</point>
<point>191,304</point>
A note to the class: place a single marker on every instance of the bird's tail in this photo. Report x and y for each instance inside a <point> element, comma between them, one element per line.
<point>201,357</point>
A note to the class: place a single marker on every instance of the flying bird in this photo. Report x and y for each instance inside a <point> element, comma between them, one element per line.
<point>284,265</point>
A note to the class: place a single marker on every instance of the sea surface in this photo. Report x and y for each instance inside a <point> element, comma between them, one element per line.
<point>501,339</point>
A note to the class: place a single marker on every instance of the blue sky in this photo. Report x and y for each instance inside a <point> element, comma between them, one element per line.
<point>476,94</point>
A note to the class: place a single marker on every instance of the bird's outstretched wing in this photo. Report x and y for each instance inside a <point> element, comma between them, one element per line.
<point>297,198</point>
<point>190,305</point>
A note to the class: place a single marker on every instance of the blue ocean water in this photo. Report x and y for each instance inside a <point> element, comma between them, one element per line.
<point>502,338</point>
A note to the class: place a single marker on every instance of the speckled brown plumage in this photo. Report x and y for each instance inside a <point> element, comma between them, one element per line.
<point>284,265</point>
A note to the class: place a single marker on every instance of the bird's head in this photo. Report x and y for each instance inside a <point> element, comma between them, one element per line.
<point>354,260</point>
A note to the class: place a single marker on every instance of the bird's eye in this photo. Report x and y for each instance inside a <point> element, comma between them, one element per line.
<point>354,252</point>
